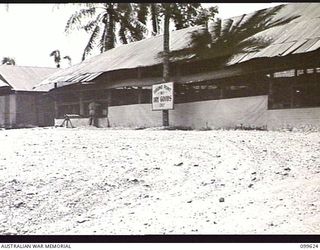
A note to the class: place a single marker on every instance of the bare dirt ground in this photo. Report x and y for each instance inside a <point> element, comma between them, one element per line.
<point>103,181</point>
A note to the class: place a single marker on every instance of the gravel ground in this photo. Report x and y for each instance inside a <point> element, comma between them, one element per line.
<point>107,181</point>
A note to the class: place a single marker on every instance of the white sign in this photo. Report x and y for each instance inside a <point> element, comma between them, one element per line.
<point>162,96</point>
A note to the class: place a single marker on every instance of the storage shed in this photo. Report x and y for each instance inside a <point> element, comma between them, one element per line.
<point>20,104</point>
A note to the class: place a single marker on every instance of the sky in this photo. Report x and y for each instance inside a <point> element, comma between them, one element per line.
<point>30,32</point>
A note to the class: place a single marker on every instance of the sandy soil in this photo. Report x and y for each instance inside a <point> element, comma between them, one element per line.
<point>100,181</point>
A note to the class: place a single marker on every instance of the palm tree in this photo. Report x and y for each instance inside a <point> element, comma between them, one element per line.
<point>102,21</point>
<point>126,22</point>
<point>230,37</point>
<point>56,57</point>
<point>166,51</point>
<point>68,58</point>
<point>183,15</point>
<point>152,10</point>
<point>8,61</point>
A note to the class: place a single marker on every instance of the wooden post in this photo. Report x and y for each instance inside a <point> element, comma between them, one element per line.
<point>55,103</point>
<point>81,104</point>
<point>292,91</point>
<point>55,109</point>
<point>139,94</point>
<point>37,109</point>
<point>7,112</point>
<point>109,97</point>
<point>221,95</point>
<point>270,91</point>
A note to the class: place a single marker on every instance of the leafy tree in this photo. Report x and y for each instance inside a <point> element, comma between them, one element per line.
<point>8,61</point>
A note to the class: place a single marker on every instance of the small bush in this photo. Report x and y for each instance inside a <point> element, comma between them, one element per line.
<point>177,128</point>
<point>244,127</point>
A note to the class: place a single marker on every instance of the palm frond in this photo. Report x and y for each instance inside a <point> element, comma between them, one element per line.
<point>76,18</point>
<point>8,61</point>
<point>122,34</point>
<point>102,42</point>
<point>91,42</point>
<point>230,37</point>
<point>67,58</point>
<point>56,55</point>
<point>216,28</point>
<point>142,12</point>
<point>226,27</point>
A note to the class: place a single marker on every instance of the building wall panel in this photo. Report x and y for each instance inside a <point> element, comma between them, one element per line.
<point>137,115</point>
<point>294,118</point>
<point>2,111</point>
<point>7,111</point>
<point>226,113</point>
<point>26,110</point>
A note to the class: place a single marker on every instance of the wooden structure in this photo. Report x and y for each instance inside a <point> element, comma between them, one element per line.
<point>20,105</point>
<point>287,73</point>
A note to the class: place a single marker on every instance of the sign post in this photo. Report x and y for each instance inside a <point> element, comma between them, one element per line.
<point>163,99</point>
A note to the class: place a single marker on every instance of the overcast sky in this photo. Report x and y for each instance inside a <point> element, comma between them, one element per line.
<point>30,32</point>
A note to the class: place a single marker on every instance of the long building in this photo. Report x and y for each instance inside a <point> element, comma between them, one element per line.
<point>20,104</point>
<point>275,87</point>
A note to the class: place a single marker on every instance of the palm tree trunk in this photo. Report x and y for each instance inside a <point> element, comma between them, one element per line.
<point>110,29</point>
<point>154,18</point>
<point>166,50</point>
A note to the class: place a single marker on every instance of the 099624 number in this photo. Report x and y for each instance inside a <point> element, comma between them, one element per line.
<point>308,246</point>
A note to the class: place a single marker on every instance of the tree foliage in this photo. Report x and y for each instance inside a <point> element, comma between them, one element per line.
<point>56,57</point>
<point>105,23</point>
<point>68,58</point>
<point>230,37</point>
<point>8,61</point>
<point>109,23</point>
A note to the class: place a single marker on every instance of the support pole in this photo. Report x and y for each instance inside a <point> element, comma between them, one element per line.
<point>109,96</point>
<point>55,109</point>
<point>166,50</point>
<point>221,94</point>
<point>139,95</point>
<point>292,89</point>
<point>81,104</point>
<point>270,92</point>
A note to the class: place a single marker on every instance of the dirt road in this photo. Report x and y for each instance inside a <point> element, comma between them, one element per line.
<point>100,181</point>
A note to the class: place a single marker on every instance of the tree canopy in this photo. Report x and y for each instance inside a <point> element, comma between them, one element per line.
<point>227,38</point>
<point>8,61</point>
<point>111,23</point>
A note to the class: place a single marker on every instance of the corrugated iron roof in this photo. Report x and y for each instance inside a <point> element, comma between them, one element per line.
<point>299,36</point>
<point>24,78</point>
<point>3,83</point>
